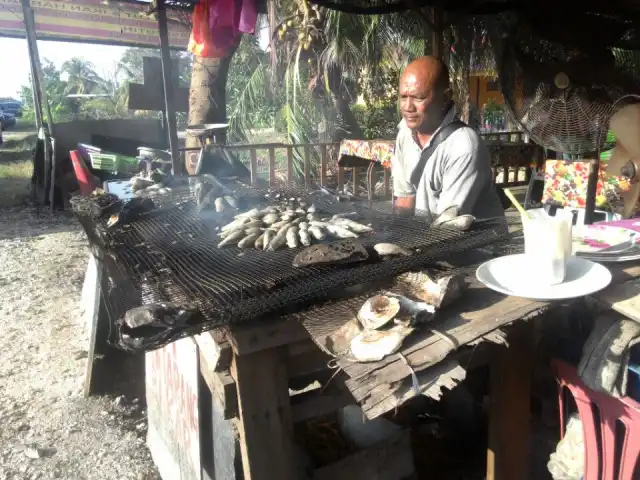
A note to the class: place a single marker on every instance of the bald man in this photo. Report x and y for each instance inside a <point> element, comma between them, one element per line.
<point>458,171</point>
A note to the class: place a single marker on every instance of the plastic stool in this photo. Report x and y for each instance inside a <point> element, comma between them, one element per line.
<point>601,445</point>
<point>83,175</point>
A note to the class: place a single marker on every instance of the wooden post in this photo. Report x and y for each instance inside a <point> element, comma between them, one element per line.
<point>307,166</point>
<point>272,166</point>
<point>254,166</point>
<point>290,165</point>
<point>509,413</point>
<point>323,165</point>
<point>266,425</point>
<point>176,168</point>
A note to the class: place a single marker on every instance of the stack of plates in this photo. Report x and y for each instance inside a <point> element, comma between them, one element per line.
<point>606,243</point>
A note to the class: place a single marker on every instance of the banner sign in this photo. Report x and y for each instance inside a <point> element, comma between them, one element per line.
<point>95,21</point>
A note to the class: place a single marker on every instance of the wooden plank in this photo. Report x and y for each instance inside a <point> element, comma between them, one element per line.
<point>254,166</point>
<point>272,166</point>
<point>215,349</point>
<point>223,389</point>
<point>390,460</point>
<point>624,298</point>
<point>385,397</point>
<point>263,335</point>
<point>307,167</point>
<point>307,363</point>
<point>290,178</point>
<point>266,426</point>
<point>323,165</point>
<point>509,410</point>
<point>482,312</point>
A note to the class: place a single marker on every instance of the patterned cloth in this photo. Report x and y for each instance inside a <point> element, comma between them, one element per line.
<point>565,182</point>
<point>380,151</point>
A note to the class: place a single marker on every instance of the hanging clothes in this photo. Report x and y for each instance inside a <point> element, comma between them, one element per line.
<point>218,25</point>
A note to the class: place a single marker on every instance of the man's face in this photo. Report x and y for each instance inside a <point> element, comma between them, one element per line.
<point>420,104</point>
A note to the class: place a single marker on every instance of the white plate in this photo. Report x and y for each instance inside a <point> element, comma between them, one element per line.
<point>508,275</point>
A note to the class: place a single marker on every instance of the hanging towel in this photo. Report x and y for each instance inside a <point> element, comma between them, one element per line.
<point>200,42</point>
<point>605,356</point>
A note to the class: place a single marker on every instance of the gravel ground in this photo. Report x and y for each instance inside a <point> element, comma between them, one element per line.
<point>48,429</point>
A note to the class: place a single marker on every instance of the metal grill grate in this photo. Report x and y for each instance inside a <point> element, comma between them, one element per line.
<point>171,255</point>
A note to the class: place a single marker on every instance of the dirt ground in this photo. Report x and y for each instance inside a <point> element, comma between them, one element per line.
<point>49,430</point>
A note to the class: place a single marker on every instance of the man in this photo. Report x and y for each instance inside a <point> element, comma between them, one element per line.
<point>458,171</point>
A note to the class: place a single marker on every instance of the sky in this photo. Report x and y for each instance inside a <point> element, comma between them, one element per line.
<point>14,60</point>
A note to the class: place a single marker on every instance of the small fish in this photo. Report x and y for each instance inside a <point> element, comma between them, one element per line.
<point>280,239</point>
<point>286,217</point>
<point>305,238</point>
<point>312,216</point>
<point>235,236</point>
<point>251,213</point>
<point>269,210</point>
<point>312,209</point>
<point>253,223</point>
<point>220,204</point>
<point>292,237</point>
<point>317,223</point>
<point>461,223</point>
<point>252,230</point>
<point>259,243</point>
<point>270,218</point>
<point>344,215</point>
<point>352,225</point>
<point>390,249</point>
<point>300,211</point>
<point>236,223</point>
<point>317,232</point>
<point>279,224</point>
<point>248,240</point>
<point>340,232</point>
<point>268,236</point>
<point>303,225</point>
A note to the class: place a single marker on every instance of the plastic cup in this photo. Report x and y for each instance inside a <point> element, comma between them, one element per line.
<point>547,245</point>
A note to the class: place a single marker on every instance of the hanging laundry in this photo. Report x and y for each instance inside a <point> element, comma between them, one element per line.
<point>218,25</point>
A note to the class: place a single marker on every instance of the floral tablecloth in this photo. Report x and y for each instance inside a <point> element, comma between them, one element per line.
<point>380,151</point>
<point>565,182</point>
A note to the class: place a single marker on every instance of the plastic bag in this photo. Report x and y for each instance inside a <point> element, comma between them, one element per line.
<point>567,462</point>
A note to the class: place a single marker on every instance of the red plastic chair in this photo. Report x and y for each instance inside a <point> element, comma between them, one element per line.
<point>605,448</point>
<point>83,175</point>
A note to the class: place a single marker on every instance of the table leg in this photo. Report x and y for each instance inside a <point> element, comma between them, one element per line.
<point>266,426</point>
<point>510,415</point>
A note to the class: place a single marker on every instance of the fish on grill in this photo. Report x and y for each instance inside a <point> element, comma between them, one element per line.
<point>439,293</point>
<point>390,250</point>
<point>374,345</point>
<point>342,251</point>
<point>130,211</point>
<point>378,311</point>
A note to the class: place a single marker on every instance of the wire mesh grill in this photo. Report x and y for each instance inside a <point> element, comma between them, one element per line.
<point>171,254</point>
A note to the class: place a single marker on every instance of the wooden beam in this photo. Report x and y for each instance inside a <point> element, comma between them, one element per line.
<point>437,42</point>
<point>266,426</point>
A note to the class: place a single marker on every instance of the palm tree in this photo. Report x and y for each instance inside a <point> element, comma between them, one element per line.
<point>81,75</point>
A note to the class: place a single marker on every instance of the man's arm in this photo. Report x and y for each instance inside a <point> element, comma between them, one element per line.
<point>464,178</point>
<point>403,191</point>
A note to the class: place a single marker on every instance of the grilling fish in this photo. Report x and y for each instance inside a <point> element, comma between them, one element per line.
<point>268,236</point>
<point>235,236</point>
<point>447,214</point>
<point>292,237</point>
<point>303,225</point>
<point>236,223</point>
<point>252,230</point>
<point>342,251</point>
<point>374,345</point>
<point>352,225</point>
<point>390,249</point>
<point>438,293</point>
<point>270,218</point>
<point>340,232</point>
<point>248,240</point>
<point>280,239</point>
<point>317,232</point>
<point>461,223</point>
<point>378,311</point>
<point>259,243</point>
<point>254,212</point>
<point>305,239</point>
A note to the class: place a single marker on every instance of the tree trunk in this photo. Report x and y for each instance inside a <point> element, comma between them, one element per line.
<point>347,124</point>
<point>207,98</point>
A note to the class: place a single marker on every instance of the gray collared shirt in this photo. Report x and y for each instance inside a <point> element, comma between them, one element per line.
<point>458,173</point>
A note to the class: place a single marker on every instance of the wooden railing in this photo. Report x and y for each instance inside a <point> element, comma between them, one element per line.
<point>275,163</point>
